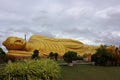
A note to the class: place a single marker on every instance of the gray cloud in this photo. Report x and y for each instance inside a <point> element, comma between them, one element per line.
<point>92,22</point>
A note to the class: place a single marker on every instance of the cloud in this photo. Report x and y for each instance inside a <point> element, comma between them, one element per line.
<point>92,22</point>
<point>110,39</point>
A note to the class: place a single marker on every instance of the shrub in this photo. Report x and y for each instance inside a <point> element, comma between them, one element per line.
<point>3,56</point>
<point>70,56</point>
<point>51,55</point>
<point>102,57</point>
<point>35,54</point>
<point>56,56</point>
<point>85,55</point>
<point>94,58</point>
<point>43,69</point>
<point>79,57</point>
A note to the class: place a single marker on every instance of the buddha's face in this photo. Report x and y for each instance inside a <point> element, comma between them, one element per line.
<point>14,43</point>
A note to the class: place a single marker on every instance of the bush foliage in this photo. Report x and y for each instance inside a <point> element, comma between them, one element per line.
<point>53,56</point>
<point>43,69</point>
<point>103,57</point>
<point>70,56</point>
<point>3,56</point>
<point>35,54</point>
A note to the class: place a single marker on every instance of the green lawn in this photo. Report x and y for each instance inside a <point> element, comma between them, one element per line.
<point>86,72</point>
<point>89,72</point>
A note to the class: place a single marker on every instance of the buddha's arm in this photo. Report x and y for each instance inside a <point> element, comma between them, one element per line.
<point>15,52</point>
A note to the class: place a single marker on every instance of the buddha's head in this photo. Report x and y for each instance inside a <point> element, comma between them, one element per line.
<point>14,43</point>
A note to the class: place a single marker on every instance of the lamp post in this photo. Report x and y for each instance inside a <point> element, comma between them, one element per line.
<point>25,37</point>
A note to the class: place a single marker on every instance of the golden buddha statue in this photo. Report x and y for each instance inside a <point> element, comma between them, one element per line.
<point>18,47</point>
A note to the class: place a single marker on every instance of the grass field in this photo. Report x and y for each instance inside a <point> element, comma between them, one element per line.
<point>89,72</point>
<point>86,72</point>
<point>1,69</point>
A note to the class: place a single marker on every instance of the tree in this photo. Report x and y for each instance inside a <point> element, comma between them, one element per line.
<point>85,55</point>
<point>79,57</point>
<point>3,56</point>
<point>51,55</point>
<point>70,56</point>
<point>35,54</point>
<point>56,56</point>
<point>103,57</point>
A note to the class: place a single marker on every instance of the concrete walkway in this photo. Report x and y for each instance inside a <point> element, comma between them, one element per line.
<point>65,64</point>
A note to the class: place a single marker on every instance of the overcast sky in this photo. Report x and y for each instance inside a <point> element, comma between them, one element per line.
<point>91,21</point>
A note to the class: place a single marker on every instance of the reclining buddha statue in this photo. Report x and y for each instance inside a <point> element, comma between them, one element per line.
<point>18,47</point>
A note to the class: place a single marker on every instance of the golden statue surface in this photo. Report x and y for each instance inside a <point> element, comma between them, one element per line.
<point>18,47</point>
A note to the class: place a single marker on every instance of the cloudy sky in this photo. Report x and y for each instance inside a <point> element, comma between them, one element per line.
<point>91,21</point>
